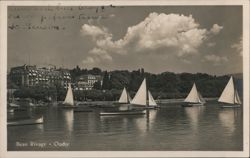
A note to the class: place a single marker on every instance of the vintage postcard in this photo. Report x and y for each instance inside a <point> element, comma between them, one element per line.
<point>124,78</point>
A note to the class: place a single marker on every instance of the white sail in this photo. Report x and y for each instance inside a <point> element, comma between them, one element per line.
<point>193,96</point>
<point>69,99</point>
<point>141,95</point>
<point>129,98</point>
<point>151,101</point>
<point>124,98</point>
<point>237,98</point>
<point>228,94</point>
<point>202,100</point>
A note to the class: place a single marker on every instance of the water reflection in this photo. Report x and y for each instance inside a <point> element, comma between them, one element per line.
<point>69,118</point>
<point>145,124</point>
<point>169,128</point>
<point>40,127</point>
<point>228,118</point>
<point>194,115</point>
<point>118,123</point>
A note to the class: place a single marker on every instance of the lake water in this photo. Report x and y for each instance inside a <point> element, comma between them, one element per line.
<point>170,128</point>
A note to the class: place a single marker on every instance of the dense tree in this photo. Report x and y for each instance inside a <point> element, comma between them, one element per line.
<point>163,85</point>
<point>97,85</point>
<point>106,85</point>
<point>95,71</point>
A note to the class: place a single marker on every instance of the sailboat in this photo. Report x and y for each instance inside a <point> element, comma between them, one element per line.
<point>30,121</point>
<point>143,98</point>
<point>194,98</point>
<point>230,96</point>
<point>69,99</point>
<point>124,98</point>
<point>125,108</point>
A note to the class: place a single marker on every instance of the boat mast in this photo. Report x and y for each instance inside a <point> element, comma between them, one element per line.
<point>147,98</point>
<point>234,90</point>
<point>127,96</point>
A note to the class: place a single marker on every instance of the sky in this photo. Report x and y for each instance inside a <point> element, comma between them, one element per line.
<point>206,39</point>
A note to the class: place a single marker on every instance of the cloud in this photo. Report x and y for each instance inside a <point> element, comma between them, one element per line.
<point>96,56</point>
<point>101,53</point>
<point>216,60</point>
<point>216,29</point>
<point>238,46</point>
<point>211,44</point>
<point>94,31</point>
<point>186,61</point>
<point>112,15</point>
<point>89,60</point>
<point>176,34</point>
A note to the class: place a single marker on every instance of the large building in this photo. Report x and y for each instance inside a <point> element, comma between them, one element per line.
<point>86,82</point>
<point>28,76</point>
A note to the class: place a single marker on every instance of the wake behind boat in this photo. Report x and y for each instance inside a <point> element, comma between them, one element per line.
<point>230,97</point>
<point>123,112</point>
<point>194,98</point>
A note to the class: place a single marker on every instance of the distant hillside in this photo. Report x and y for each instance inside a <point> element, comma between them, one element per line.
<point>239,83</point>
<point>162,86</point>
<point>237,75</point>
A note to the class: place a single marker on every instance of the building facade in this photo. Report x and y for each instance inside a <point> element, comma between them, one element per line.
<point>29,76</point>
<point>86,82</point>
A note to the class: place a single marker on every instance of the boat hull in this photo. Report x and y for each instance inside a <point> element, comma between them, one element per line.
<point>152,107</point>
<point>117,103</point>
<point>10,110</point>
<point>145,107</point>
<point>128,112</point>
<point>67,106</point>
<point>192,104</point>
<point>26,122</point>
<point>230,106</point>
<point>13,105</point>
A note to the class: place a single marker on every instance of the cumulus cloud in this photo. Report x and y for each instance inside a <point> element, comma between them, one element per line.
<point>112,15</point>
<point>176,34</point>
<point>216,60</point>
<point>238,46</point>
<point>216,29</point>
<point>100,52</point>
<point>89,60</point>
<point>211,44</point>
<point>94,31</point>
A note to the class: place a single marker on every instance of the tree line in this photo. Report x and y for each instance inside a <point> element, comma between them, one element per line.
<point>162,86</point>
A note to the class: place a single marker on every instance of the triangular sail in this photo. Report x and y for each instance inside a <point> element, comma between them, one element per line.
<point>151,100</point>
<point>228,94</point>
<point>202,100</point>
<point>237,98</point>
<point>141,95</point>
<point>129,98</point>
<point>69,99</point>
<point>193,96</point>
<point>124,98</point>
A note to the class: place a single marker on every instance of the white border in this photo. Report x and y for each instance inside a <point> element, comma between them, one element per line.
<point>3,73</point>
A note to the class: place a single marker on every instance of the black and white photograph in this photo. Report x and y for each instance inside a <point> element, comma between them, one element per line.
<point>125,77</point>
